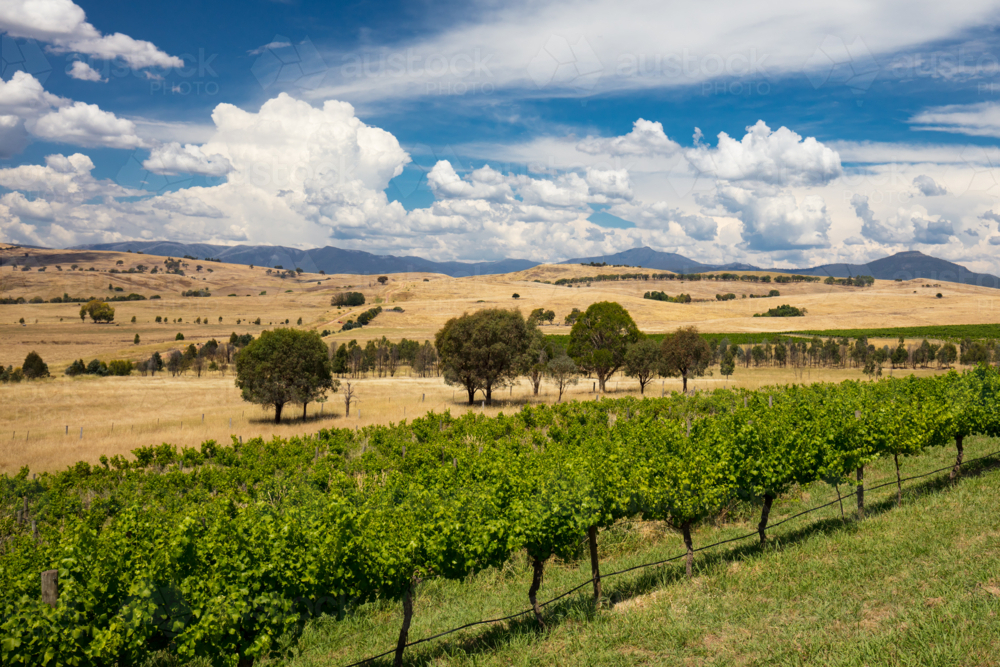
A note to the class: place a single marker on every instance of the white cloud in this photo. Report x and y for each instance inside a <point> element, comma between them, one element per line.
<point>646,138</point>
<point>661,215</point>
<point>270,45</point>
<point>928,187</point>
<point>613,183</point>
<point>21,206</point>
<point>872,228</point>
<point>179,202</point>
<point>84,72</point>
<point>775,220</point>
<point>644,47</point>
<point>62,178</point>
<point>932,232</point>
<point>63,24</point>
<point>172,158</point>
<point>13,136</point>
<point>484,183</point>
<point>24,96</point>
<point>979,120</point>
<point>86,125</point>
<point>781,157</point>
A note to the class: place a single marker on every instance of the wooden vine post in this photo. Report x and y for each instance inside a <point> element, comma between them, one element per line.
<point>50,587</point>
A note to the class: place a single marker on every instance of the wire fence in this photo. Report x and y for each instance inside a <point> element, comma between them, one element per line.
<point>616,573</point>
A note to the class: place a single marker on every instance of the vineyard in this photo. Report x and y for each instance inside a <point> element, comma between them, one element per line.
<point>224,552</point>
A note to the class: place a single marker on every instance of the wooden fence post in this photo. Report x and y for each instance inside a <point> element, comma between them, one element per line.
<point>50,587</point>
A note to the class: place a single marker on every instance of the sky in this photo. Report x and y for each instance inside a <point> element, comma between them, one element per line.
<point>777,134</point>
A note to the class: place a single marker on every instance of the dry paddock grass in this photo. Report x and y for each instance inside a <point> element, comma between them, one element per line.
<point>34,417</point>
<point>42,420</point>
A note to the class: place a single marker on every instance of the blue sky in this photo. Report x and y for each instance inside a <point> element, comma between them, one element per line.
<point>766,133</point>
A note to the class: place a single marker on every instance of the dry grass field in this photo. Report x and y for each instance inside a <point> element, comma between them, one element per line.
<point>40,421</point>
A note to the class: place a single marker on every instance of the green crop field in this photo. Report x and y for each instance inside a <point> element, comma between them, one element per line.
<point>936,332</point>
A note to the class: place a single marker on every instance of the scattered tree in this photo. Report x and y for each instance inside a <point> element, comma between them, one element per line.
<point>642,361</point>
<point>563,372</point>
<point>135,341</point>
<point>284,366</point>
<point>383,280</point>
<point>98,311</point>
<point>600,338</point>
<point>685,354</point>
<point>484,350</point>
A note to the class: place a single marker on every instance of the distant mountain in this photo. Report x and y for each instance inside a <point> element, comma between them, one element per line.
<point>328,259</point>
<point>903,265</point>
<point>650,259</point>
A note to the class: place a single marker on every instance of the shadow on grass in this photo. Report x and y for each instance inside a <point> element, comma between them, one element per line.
<point>580,606</point>
<point>288,419</point>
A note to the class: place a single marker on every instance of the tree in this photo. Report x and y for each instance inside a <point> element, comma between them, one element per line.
<point>98,311</point>
<point>284,366</point>
<point>572,317</point>
<point>685,354</point>
<point>728,364</point>
<point>535,358</point>
<point>33,367</point>
<point>135,341</point>
<point>484,350</point>
<point>179,336</point>
<point>600,338</point>
<point>564,372</point>
<point>642,361</point>
<point>947,355</point>
<point>516,295</point>
<point>382,280</point>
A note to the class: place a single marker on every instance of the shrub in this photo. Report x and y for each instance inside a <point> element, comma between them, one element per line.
<point>37,299</point>
<point>299,322</point>
<point>120,367</point>
<point>257,321</point>
<point>158,319</point>
<point>133,319</point>
<point>179,336</point>
<point>783,311</point>
<point>196,292</point>
<point>135,341</point>
<point>96,367</point>
<point>76,368</point>
<point>33,367</point>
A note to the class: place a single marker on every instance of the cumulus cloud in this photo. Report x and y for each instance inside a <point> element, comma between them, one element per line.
<point>928,187</point>
<point>172,159</point>
<point>932,232</point>
<point>62,177</point>
<point>661,215</point>
<point>484,183</point>
<point>13,136</point>
<point>613,183</point>
<point>995,240</point>
<point>24,96</point>
<point>647,138</point>
<point>84,72</point>
<point>775,220</point>
<point>854,240</point>
<point>177,202</point>
<point>63,24</point>
<point>781,157</point>
<point>35,209</point>
<point>872,228</point>
<point>86,125</point>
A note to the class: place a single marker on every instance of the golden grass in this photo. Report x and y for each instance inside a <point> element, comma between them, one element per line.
<point>135,404</point>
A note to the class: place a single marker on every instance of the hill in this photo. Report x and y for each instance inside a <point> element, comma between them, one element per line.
<point>313,260</point>
<point>907,265</point>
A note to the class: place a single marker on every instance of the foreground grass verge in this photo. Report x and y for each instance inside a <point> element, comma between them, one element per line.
<point>913,585</point>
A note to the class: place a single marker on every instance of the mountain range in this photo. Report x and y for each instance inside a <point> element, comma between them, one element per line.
<point>903,266</point>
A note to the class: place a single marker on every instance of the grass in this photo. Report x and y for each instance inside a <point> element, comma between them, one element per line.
<point>915,585</point>
<point>40,421</point>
